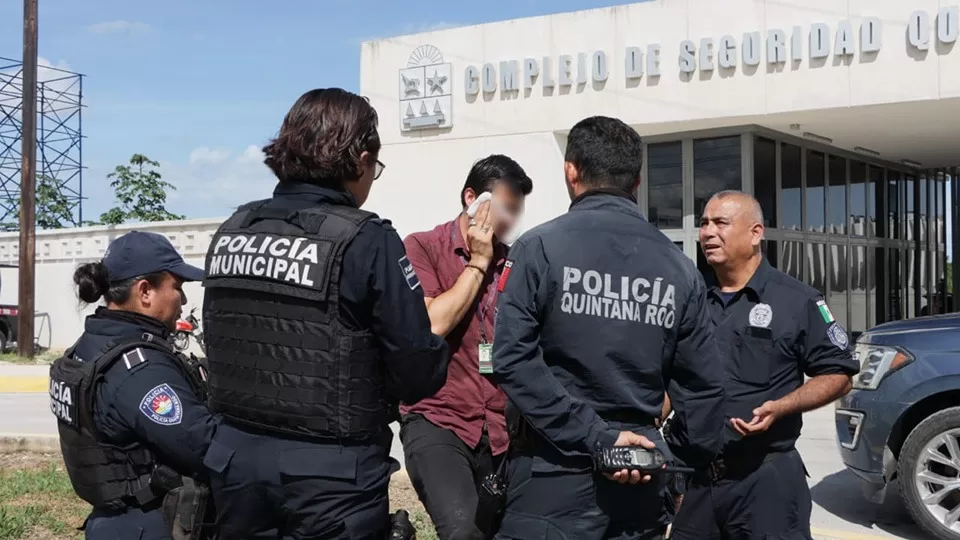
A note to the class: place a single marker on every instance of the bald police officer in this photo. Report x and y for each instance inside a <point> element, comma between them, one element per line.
<point>772,330</point>
<point>598,312</point>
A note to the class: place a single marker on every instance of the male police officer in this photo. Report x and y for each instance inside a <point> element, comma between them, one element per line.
<point>771,329</point>
<point>598,311</point>
<point>315,327</point>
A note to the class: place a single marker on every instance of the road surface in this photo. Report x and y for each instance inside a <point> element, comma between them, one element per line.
<point>840,511</point>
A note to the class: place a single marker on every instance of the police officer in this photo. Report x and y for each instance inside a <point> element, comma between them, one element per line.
<point>598,312</point>
<point>315,326</point>
<point>130,410</point>
<point>771,330</point>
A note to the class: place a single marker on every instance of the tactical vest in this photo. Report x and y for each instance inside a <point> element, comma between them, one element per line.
<point>280,358</point>
<point>107,476</point>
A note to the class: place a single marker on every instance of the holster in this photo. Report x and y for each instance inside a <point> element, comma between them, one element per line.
<point>185,509</point>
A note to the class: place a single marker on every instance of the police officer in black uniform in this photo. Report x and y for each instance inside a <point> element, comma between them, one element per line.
<point>315,327</point>
<point>771,329</point>
<point>130,410</point>
<point>598,312</point>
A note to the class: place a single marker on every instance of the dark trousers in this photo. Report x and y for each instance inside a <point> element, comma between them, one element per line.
<point>446,474</point>
<point>132,524</point>
<point>270,487</point>
<point>773,501</point>
<point>551,497</point>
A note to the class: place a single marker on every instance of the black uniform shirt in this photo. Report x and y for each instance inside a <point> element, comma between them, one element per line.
<point>144,396</point>
<point>771,333</point>
<point>380,291</point>
<point>598,313</point>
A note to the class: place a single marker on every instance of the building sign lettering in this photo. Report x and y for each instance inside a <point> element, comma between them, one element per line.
<point>777,46</point>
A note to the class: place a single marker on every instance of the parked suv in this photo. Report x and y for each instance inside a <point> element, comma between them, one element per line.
<point>902,419</point>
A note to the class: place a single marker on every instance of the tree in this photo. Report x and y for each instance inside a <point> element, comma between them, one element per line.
<point>52,207</point>
<point>140,191</point>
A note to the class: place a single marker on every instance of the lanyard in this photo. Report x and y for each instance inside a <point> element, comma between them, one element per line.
<point>482,307</point>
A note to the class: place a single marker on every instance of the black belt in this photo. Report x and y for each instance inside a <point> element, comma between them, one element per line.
<point>733,467</point>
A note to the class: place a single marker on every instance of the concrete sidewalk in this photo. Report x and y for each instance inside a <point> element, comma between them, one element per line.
<point>21,378</point>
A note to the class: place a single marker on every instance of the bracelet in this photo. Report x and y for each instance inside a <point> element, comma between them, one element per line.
<point>483,272</point>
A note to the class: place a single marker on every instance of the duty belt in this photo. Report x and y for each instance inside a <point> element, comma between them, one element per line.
<point>733,468</point>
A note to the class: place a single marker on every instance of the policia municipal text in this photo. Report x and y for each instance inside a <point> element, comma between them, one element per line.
<point>316,328</point>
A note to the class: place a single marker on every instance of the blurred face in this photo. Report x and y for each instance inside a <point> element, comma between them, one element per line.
<point>508,205</point>
<point>371,170</point>
<point>164,302</point>
<point>729,231</point>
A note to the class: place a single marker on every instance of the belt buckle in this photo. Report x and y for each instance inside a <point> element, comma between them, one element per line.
<point>717,471</point>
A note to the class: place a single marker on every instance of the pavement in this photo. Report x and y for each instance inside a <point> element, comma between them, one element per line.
<point>840,511</point>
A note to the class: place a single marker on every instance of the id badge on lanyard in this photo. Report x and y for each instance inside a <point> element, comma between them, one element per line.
<point>485,350</point>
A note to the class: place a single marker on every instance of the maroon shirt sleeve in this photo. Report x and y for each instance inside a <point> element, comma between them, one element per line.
<point>423,264</point>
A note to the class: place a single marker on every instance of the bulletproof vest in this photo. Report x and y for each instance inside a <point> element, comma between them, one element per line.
<point>279,356</point>
<point>107,476</point>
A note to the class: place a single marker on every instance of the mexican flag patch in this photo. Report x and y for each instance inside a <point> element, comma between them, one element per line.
<point>825,312</point>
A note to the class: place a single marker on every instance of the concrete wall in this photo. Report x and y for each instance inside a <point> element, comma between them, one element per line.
<point>59,319</point>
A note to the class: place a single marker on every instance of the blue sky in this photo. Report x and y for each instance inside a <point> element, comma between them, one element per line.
<point>200,85</point>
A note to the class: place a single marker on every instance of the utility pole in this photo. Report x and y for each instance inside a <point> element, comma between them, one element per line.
<point>28,183</point>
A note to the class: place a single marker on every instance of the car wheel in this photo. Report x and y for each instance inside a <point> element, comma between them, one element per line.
<point>929,472</point>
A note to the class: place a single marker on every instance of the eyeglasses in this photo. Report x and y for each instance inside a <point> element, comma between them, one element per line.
<point>378,170</point>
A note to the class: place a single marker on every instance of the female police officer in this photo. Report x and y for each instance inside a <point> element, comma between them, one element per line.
<point>130,411</point>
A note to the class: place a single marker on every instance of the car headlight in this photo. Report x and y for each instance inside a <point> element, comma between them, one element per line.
<point>876,362</point>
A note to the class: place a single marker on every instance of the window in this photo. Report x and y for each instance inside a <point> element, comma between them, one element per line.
<point>894,202</point>
<point>816,161</point>
<point>922,220</point>
<point>858,289</point>
<point>879,287</point>
<point>665,184</point>
<point>911,287</point>
<point>870,271</point>
<point>908,218</point>
<point>858,198</point>
<point>816,267</point>
<point>837,295</point>
<point>765,179</point>
<point>875,200</point>
<point>790,188</point>
<point>895,298</point>
<point>837,196</point>
<point>940,226</point>
<point>716,167</point>
<point>791,260</point>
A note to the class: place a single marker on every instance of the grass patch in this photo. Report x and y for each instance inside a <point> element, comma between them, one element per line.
<point>37,501</point>
<point>45,357</point>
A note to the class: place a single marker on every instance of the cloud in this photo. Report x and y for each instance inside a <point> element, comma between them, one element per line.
<point>118,27</point>
<point>214,181</point>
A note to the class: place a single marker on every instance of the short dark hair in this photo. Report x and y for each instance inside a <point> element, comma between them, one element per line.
<point>496,168</point>
<point>606,152</point>
<point>322,137</point>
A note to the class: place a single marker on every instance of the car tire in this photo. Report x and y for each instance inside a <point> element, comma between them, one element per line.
<point>931,428</point>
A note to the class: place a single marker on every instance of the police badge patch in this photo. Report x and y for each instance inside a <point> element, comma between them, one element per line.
<point>761,315</point>
<point>838,336</point>
<point>162,406</point>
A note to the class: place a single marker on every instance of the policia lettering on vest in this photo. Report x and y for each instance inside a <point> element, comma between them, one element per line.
<point>315,330</point>
<point>290,260</point>
<point>134,430</point>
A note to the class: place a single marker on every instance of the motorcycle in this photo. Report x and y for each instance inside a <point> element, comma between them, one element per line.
<point>189,326</point>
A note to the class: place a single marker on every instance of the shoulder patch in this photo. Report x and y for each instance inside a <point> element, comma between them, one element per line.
<point>162,406</point>
<point>409,274</point>
<point>825,311</point>
<point>838,336</point>
<point>507,266</point>
<point>133,359</point>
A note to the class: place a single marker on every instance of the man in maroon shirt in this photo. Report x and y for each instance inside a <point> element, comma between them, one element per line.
<point>458,436</point>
